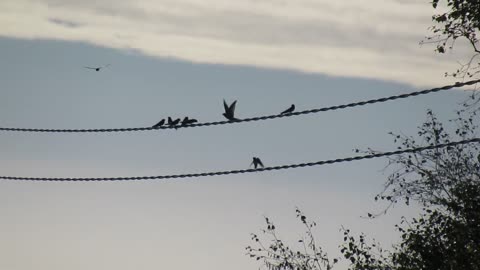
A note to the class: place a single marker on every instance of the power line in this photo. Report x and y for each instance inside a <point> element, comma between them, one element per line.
<point>273,168</point>
<point>259,118</point>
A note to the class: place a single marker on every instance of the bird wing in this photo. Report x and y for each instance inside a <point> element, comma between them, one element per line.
<point>232,107</point>
<point>225,106</point>
<point>90,67</point>
<point>260,162</point>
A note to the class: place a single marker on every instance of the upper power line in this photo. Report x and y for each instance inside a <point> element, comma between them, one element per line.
<point>258,118</point>
<point>263,169</point>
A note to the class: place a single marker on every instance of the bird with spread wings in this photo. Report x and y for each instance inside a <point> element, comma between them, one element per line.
<point>97,68</point>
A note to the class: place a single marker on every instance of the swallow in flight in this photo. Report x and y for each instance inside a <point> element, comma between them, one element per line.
<point>97,68</point>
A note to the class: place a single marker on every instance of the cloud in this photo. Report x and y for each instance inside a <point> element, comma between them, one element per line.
<point>364,38</point>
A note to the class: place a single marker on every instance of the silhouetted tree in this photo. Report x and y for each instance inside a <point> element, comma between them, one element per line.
<point>275,254</point>
<point>445,181</point>
<point>461,21</point>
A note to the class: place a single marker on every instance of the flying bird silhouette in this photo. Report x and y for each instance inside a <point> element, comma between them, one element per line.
<point>159,124</point>
<point>257,163</point>
<point>289,110</point>
<point>97,68</point>
<point>188,121</point>
<point>173,123</point>
<point>230,111</point>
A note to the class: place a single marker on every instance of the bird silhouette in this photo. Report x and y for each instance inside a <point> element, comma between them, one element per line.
<point>97,68</point>
<point>188,121</point>
<point>230,111</point>
<point>289,110</point>
<point>185,121</point>
<point>173,123</point>
<point>159,124</point>
<point>191,121</point>
<point>257,163</point>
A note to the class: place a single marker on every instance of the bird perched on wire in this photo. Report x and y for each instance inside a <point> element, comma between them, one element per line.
<point>173,123</point>
<point>256,163</point>
<point>159,124</point>
<point>289,110</point>
<point>97,68</point>
<point>230,111</point>
<point>188,121</point>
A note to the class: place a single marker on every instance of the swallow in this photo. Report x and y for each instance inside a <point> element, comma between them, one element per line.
<point>97,68</point>
<point>188,121</point>
<point>230,111</point>
<point>289,110</point>
<point>159,124</point>
<point>257,162</point>
<point>191,121</point>
<point>173,123</point>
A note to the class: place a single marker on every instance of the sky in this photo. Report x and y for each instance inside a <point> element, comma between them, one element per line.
<point>377,39</point>
<point>182,58</point>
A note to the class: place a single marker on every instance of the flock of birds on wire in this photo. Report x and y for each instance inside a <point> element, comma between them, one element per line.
<point>229,114</point>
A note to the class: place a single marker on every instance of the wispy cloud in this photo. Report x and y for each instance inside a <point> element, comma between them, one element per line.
<point>364,38</point>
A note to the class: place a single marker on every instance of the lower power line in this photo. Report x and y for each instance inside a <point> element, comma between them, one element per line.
<point>273,168</point>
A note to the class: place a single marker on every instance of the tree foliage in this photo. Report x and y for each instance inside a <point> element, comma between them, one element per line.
<point>430,176</point>
<point>461,20</point>
<point>275,254</point>
<point>442,239</point>
<point>445,181</point>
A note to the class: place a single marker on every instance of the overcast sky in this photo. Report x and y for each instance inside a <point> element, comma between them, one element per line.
<point>365,38</point>
<point>182,58</point>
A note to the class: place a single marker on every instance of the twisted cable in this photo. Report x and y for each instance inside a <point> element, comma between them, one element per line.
<point>259,118</point>
<point>273,168</point>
